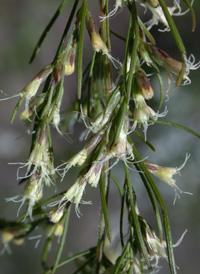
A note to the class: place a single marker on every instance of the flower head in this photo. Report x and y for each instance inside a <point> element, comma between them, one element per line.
<point>118,4</point>
<point>166,175</point>
<point>39,161</point>
<point>32,193</point>
<point>30,90</point>
<point>143,112</point>
<point>158,14</point>
<point>97,43</point>
<point>13,233</point>
<point>69,65</point>
<point>56,214</point>
<point>74,195</point>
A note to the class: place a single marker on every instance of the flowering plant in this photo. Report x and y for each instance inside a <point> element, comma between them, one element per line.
<point>111,109</point>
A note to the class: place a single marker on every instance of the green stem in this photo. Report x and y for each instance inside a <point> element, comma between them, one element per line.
<point>46,249</point>
<point>72,258</point>
<point>80,50</point>
<point>72,13</point>
<point>192,13</point>
<point>177,126</point>
<point>136,221</point>
<point>104,208</point>
<point>153,201</point>
<point>48,27</point>
<point>133,55</point>
<point>177,39</point>
<point>164,212</point>
<point>62,241</point>
<point>120,261</point>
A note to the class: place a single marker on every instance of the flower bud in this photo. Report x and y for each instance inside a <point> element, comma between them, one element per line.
<point>144,52</point>
<point>31,89</point>
<point>34,107</point>
<point>166,174</point>
<point>7,236</point>
<point>97,43</point>
<point>18,241</point>
<point>56,214</point>
<point>58,230</point>
<point>57,72</point>
<point>69,65</point>
<point>142,85</point>
<point>153,3</point>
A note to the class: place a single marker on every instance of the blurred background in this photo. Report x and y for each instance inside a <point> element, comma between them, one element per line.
<point>21,24</point>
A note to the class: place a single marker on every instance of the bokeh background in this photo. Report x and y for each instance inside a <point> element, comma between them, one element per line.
<point>21,23</point>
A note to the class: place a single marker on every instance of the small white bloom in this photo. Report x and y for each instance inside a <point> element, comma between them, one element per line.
<point>158,15</point>
<point>166,175</point>
<point>143,112</point>
<point>32,193</point>
<point>118,4</point>
<point>74,195</point>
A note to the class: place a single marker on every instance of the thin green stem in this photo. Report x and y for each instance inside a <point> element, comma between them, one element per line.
<point>177,126</point>
<point>72,13</point>
<point>46,249</point>
<point>62,241</point>
<point>48,27</point>
<point>136,221</point>
<point>164,212</point>
<point>104,207</point>
<point>80,50</point>
<point>134,58</point>
<point>192,13</point>
<point>70,259</point>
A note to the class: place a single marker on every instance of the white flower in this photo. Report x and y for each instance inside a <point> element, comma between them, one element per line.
<point>118,4</point>
<point>32,193</point>
<point>30,90</point>
<point>74,195</point>
<point>166,175</point>
<point>97,43</point>
<point>143,112</point>
<point>80,158</point>
<point>158,14</point>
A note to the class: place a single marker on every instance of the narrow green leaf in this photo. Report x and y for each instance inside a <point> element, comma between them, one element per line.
<point>117,184</point>
<point>177,39</point>
<point>89,83</point>
<point>128,37</point>
<point>46,109</point>
<point>177,126</point>
<point>146,31</point>
<point>16,109</point>
<point>62,240</point>
<point>118,35</point>
<point>123,203</point>
<point>143,139</point>
<point>172,26</point>
<point>80,49</point>
<point>104,208</point>
<point>134,57</point>
<point>192,13</point>
<point>153,201</point>
<point>72,258</point>
<point>72,13</point>
<point>118,122</point>
<point>120,260</point>
<point>46,249</point>
<point>136,221</point>
<point>48,27</point>
<point>164,212</point>
<point>161,90</point>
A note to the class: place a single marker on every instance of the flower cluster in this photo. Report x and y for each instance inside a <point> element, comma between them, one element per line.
<point>111,106</point>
